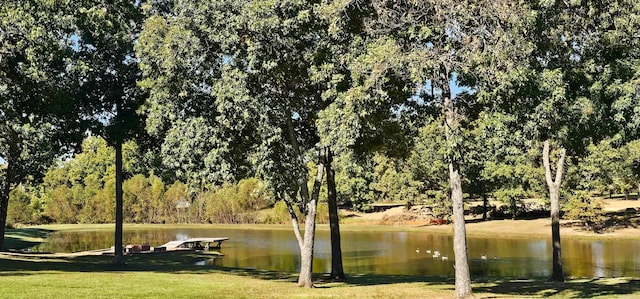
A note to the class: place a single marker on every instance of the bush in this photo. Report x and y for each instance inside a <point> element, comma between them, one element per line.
<point>322,215</point>
<point>237,203</point>
<point>20,209</point>
<point>280,215</point>
<point>581,206</point>
<point>221,209</point>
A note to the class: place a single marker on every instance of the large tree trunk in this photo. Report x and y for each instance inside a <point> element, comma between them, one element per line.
<point>306,252</point>
<point>309,205</point>
<point>337,271</point>
<point>118,254</point>
<point>9,181</point>
<point>462,274</point>
<point>485,206</point>
<point>4,203</point>
<point>554,197</point>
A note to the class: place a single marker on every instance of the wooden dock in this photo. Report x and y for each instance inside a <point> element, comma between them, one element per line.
<point>195,243</point>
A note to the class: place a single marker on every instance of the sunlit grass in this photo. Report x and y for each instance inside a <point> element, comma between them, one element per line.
<point>176,275</point>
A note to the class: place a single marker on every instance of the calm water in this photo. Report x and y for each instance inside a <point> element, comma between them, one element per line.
<point>384,252</point>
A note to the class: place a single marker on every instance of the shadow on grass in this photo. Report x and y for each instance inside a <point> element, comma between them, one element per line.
<point>571,289</point>
<point>23,237</point>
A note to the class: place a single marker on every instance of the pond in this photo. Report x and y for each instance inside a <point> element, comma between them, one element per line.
<point>390,253</point>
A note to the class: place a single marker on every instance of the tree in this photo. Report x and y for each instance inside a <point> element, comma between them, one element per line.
<point>582,66</point>
<point>337,271</point>
<point>260,66</point>
<point>35,94</point>
<point>81,188</point>
<point>632,162</point>
<point>432,41</point>
<point>105,63</point>
<point>502,161</point>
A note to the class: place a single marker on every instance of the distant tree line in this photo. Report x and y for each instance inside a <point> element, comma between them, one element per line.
<point>80,189</point>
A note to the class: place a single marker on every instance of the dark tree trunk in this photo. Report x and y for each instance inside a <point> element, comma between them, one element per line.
<point>462,274</point>
<point>118,254</point>
<point>9,181</point>
<point>337,271</point>
<point>485,206</point>
<point>4,203</point>
<point>554,196</point>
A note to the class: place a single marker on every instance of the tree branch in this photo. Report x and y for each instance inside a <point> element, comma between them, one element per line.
<point>294,222</point>
<point>547,166</point>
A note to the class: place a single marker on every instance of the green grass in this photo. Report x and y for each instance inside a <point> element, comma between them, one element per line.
<point>176,274</point>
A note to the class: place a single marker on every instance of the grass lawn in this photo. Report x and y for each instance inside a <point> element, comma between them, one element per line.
<point>176,274</point>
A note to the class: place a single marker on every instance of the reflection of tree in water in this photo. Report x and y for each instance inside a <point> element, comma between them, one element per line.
<point>598,259</point>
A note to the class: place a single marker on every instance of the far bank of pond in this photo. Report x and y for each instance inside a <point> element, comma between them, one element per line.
<point>512,248</point>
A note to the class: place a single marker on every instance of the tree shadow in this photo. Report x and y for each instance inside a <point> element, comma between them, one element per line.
<point>19,238</point>
<point>571,289</point>
<point>382,279</point>
<point>178,262</point>
<point>615,221</point>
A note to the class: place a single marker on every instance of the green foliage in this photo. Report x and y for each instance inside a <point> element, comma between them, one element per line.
<point>502,162</point>
<point>392,181</point>
<point>82,189</point>
<point>21,209</point>
<point>279,214</point>
<point>59,205</point>
<point>139,202</point>
<point>428,160</point>
<point>237,203</point>
<point>582,206</point>
<point>610,167</point>
<point>173,208</point>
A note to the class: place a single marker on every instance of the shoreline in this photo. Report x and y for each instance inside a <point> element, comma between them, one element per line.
<point>35,274</point>
<point>629,229</point>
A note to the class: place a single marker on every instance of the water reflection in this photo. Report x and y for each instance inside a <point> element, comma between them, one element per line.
<point>390,253</point>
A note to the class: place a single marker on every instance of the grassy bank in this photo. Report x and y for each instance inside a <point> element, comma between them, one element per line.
<point>176,275</point>
<point>25,237</point>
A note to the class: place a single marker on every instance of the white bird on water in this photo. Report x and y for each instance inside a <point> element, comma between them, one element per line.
<point>445,258</point>
<point>483,257</point>
<point>418,250</point>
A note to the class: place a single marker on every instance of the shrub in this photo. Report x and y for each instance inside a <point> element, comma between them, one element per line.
<point>237,203</point>
<point>322,215</point>
<point>20,209</point>
<point>280,215</point>
<point>581,206</point>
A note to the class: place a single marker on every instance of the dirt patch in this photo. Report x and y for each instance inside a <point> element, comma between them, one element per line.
<point>614,205</point>
<point>397,217</point>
